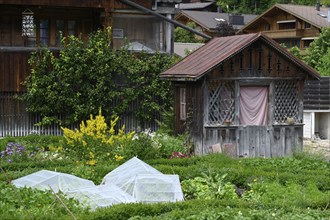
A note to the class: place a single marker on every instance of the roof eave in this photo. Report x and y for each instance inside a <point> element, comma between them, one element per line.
<point>178,78</point>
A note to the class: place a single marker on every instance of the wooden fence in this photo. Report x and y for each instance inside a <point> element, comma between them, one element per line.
<point>16,121</point>
<point>317,94</point>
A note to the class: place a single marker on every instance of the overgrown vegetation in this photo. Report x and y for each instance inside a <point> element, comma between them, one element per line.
<point>215,186</point>
<point>185,36</point>
<point>318,53</point>
<point>259,6</point>
<point>84,77</point>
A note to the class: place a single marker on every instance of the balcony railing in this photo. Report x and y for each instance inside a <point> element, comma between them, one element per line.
<point>288,33</point>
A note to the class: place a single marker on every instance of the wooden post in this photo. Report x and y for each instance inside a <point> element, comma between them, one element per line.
<point>271,105</point>
<point>109,7</point>
<point>300,94</point>
<point>237,91</point>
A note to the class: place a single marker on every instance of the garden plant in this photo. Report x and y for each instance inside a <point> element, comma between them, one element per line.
<point>215,186</point>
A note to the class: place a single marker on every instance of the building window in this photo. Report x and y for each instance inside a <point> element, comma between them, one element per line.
<point>307,43</point>
<point>71,28</point>
<point>59,31</point>
<point>183,114</point>
<point>288,43</point>
<point>307,25</point>
<point>44,32</point>
<point>286,24</point>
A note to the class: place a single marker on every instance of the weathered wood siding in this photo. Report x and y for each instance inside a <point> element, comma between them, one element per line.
<point>255,141</point>
<point>317,94</point>
<point>77,3</point>
<point>16,121</point>
<point>147,30</point>
<point>14,69</point>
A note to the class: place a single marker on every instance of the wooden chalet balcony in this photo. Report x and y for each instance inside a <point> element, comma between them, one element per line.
<point>288,33</point>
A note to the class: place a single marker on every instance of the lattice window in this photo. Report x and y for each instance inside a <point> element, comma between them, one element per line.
<point>286,101</point>
<point>221,102</point>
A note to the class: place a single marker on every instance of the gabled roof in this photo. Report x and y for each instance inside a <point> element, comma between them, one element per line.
<point>306,13</point>
<point>208,20</point>
<point>218,50</point>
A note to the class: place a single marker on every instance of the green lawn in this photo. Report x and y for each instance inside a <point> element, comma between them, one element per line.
<point>215,186</point>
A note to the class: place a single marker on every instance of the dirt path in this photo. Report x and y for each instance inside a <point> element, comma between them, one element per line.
<point>318,146</point>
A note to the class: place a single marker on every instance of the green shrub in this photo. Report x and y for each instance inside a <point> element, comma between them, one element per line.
<point>208,187</point>
<point>22,203</point>
<point>95,140</point>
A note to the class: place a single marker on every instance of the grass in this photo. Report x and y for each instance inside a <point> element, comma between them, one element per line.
<point>296,187</point>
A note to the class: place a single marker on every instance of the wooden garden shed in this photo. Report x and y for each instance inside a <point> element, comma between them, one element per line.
<point>242,95</point>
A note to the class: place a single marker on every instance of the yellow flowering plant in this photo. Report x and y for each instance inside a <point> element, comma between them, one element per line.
<point>96,140</point>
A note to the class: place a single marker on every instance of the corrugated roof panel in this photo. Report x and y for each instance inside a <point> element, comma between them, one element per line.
<point>210,55</point>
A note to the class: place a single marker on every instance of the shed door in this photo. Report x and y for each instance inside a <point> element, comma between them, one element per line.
<point>253,105</point>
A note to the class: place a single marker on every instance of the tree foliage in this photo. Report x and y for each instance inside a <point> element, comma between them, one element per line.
<point>224,29</point>
<point>318,54</point>
<point>258,6</point>
<point>185,36</point>
<point>85,77</point>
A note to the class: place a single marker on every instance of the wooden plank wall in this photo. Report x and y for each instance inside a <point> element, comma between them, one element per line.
<point>14,68</point>
<point>317,94</point>
<point>15,121</point>
<point>255,141</point>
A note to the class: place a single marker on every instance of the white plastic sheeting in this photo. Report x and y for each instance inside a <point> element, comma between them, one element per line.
<point>101,196</point>
<point>157,188</point>
<point>133,181</point>
<point>46,180</point>
<point>124,175</point>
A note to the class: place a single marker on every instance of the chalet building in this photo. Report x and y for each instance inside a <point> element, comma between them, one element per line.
<point>242,95</point>
<point>28,25</point>
<point>291,25</point>
<point>207,22</point>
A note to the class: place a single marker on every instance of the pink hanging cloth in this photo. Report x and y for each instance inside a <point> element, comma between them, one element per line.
<point>253,105</point>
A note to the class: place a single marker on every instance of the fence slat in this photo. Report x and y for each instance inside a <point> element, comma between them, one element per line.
<point>16,121</point>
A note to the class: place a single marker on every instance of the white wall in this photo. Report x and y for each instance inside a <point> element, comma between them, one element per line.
<point>316,123</point>
<point>324,124</point>
<point>309,125</point>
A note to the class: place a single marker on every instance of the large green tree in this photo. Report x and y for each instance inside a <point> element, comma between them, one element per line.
<point>318,53</point>
<point>84,77</point>
<point>258,6</point>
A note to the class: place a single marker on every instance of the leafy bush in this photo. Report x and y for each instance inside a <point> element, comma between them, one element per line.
<point>171,146</point>
<point>87,75</point>
<point>143,146</point>
<point>208,187</point>
<point>22,203</point>
<point>96,140</point>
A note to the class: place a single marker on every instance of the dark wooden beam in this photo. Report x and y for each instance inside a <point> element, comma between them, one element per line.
<point>57,3</point>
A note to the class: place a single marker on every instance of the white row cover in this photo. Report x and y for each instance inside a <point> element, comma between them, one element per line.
<point>133,181</point>
<point>50,180</point>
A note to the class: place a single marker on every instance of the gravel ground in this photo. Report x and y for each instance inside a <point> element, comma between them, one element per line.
<point>318,146</point>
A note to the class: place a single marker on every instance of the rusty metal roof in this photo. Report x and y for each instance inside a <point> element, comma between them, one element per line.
<point>218,50</point>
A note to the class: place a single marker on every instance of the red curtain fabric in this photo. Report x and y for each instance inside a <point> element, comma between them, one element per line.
<point>253,105</point>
